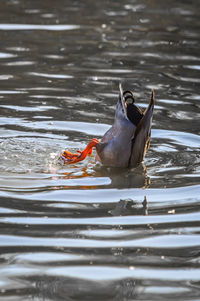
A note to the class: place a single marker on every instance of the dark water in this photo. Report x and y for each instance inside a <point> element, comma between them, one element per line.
<point>83,232</point>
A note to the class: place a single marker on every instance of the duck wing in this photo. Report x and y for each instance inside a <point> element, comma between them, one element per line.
<point>141,139</point>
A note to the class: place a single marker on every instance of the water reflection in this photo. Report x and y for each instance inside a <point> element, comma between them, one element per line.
<point>62,288</point>
<point>120,178</point>
<point>130,207</point>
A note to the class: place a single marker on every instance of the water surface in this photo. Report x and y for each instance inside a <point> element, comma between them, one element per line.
<point>86,232</point>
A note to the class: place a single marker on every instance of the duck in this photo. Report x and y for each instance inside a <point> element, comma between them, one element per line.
<point>125,144</point>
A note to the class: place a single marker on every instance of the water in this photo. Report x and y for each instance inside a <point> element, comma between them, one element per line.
<point>85,232</point>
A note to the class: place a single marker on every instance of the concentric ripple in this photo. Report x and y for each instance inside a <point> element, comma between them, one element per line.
<point>84,231</point>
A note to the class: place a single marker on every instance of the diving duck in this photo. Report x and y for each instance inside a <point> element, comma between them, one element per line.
<point>126,142</point>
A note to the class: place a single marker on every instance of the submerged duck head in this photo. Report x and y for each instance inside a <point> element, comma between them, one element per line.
<point>126,142</point>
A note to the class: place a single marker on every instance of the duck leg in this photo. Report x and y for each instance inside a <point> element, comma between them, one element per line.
<point>70,158</point>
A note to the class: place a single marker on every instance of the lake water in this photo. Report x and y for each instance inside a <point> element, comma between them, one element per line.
<point>85,232</point>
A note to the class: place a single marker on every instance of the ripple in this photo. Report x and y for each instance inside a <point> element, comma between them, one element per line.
<point>57,27</point>
<point>94,129</point>
<point>182,78</point>
<point>181,138</point>
<point>46,257</point>
<point>6,76</point>
<point>50,75</point>
<point>48,16</point>
<point>112,221</point>
<point>12,92</point>
<point>115,71</point>
<point>29,109</point>
<point>110,273</point>
<point>168,241</point>
<point>20,63</point>
<point>194,67</point>
<point>4,55</point>
<point>54,56</point>
<point>18,49</point>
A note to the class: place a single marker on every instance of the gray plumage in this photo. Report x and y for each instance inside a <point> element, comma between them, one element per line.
<point>126,142</point>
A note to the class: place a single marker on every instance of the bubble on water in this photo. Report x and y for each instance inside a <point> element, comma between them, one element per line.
<point>26,155</point>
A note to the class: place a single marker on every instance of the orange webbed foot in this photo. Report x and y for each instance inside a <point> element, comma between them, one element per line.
<point>70,158</point>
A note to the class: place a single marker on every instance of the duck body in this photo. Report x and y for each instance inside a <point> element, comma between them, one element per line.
<point>115,146</point>
<point>126,142</point>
